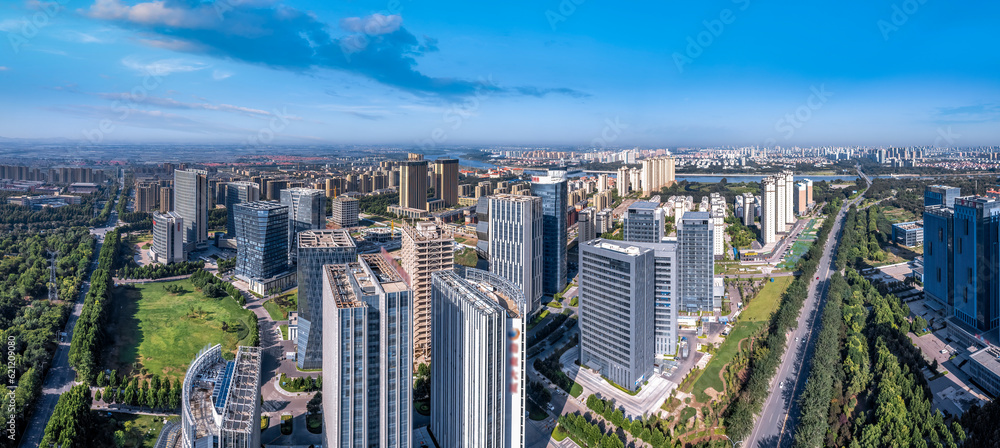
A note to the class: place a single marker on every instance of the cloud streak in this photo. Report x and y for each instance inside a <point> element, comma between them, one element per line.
<point>376,47</point>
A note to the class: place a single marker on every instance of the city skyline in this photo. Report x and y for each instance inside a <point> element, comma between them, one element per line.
<point>106,71</point>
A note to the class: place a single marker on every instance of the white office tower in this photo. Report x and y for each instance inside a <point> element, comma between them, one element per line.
<point>477,377</point>
<point>678,210</point>
<point>622,182</point>
<point>586,224</point>
<point>696,262</point>
<point>168,238</point>
<point>617,310</point>
<point>768,210</point>
<point>367,395</point>
<point>516,243</point>
<point>644,222</point>
<point>665,255</point>
<point>779,195</point>
<point>789,197</point>
<point>749,208</point>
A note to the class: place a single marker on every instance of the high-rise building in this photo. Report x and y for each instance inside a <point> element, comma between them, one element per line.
<point>939,255</point>
<point>749,209</point>
<point>261,239</point>
<point>146,197</point>
<point>344,211</point>
<point>622,182</point>
<point>306,211</point>
<point>977,261</point>
<point>367,400</point>
<point>478,374</point>
<point>801,198</point>
<point>168,238</point>
<point>780,197</point>
<point>413,184</point>
<point>516,243</point>
<point>316,248</point>
<point>789,197</point>
<point>446,181</point>
<point>586,225</point>
<point>768,210</point>
<point>617,310</point>
<point>166,199</point>
<point>809,192</point>
<point>644,222</point>
<point>657,172</point>
<point>237,193</point>
<point>695,240</point>
<point>220,400</point>
<point>553,190</point>
<point>665,257</point>
<point>426,249</point>
<point>191,202</point>
<point>941,195</point>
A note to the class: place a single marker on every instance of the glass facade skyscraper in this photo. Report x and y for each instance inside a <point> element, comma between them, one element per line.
<point>554,193</point>
<point>236,193</point>
<point>695,255</point>
<point>977,261</point>
<point>261,239</point>
<point>191,203</point>
<point>316,248</point>
<point>306,211</point>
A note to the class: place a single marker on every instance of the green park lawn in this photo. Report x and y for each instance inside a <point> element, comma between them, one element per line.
<point>163,331</point>
<point>761,307</point>
<point>557,434</point>
<point>751,320</point>
<point>575,390</point>
<point>466,257</point>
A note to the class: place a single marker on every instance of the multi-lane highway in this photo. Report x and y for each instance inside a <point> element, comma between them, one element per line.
<point>776,424</point>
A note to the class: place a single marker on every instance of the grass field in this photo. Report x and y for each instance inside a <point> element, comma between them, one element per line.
<point>163,331</point>
<point>279,307</point>
<point>687,413</point>
<point>896,214</point>
<point>761,307</point>
<point>466,257</point>
<point>557,434</point>
<point>145,429</point>
<point>576,390</point>
<point>751,320</point>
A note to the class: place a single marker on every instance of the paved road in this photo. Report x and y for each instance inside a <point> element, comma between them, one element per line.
<point>776,424</point>
<point>61,377</point>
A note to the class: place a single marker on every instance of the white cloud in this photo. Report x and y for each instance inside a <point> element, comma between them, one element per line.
<point>12,25</point>
<point>372,25</point>
<point>163,67</point>
<point>76,36</point>
<point>154,13</point>
<point>219,75</point>
<point>3,69</point>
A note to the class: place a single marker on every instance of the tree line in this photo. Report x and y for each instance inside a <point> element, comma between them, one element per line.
<point>157,271</point>
<point>29,321</point>
<point>654,432</point>
<point>153,394</point>
<point>88,336</point>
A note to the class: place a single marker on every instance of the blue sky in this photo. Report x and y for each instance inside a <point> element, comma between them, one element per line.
<point>576,72</point>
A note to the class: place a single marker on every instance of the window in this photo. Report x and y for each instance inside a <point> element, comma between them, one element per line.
<point>966,226</point>
<point>970,274</point>
<point>940,234</point>
<point>930,248</point>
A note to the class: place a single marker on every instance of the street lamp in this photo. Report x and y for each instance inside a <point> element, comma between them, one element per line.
<point>731,441</point>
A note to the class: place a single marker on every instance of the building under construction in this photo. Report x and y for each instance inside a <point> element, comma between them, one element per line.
<point>219,402</point>
<point>427,248</point>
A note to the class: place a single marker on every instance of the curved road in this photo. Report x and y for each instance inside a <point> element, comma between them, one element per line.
<point>776,424</point>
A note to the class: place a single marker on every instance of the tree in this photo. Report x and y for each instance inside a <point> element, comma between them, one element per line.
<point>315,404</point>
<point>102,380</point>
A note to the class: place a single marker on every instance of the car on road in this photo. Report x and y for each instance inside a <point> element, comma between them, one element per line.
<point>781,385</point>
<point>817,277</point>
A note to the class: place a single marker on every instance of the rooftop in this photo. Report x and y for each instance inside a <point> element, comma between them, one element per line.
<point>484,295</point>
<point>343,294</point>
<point>912,225</point>
<point>644,205</point>
<point>263,206</point>
<point>989,358</point>
<point>696,215</point>
<point>384,273</point>
<point>326,238</point>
